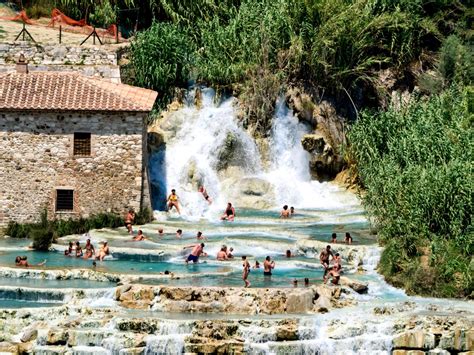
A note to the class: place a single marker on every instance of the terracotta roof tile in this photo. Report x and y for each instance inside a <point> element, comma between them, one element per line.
<point>65,91</point>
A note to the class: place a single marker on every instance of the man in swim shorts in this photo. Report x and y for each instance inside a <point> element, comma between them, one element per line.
<point>173,201</point>
<point>198,250</point>
<point>129,219</point>
<point>268,266</point>
<point>324,259</point>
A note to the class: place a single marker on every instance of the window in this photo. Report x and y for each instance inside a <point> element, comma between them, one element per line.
<point>82,144</point>
<point>64,200</point>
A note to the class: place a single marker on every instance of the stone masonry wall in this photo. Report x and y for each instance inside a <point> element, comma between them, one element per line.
<point>36,157</point>
<point>89,60</point>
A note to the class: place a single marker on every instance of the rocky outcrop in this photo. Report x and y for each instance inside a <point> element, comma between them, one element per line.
<point>435,335</point>
<point>325,163</point>
<point>327,137</point>
<point>230,300</point>
<point>246,192</point>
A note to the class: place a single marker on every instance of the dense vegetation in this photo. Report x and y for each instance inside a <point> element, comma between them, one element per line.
<point>333,48</point>
<point>46,231</point>
<point>416,165</point>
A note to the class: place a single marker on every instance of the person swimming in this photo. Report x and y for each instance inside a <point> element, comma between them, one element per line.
<point>229,253</point>
<point>173,201</point>
<point>22,261</point>
<point>229,213</point>
<point>179,233</point>
<point>245,271</point>
<point>334,238</point>
<point>257,265</point>
<point>292,210</point>
<point>268,266</point>
<point>285,213</point>
<point>204,193</point>
<point>200,236</point>
<point>161,232</point>
<point>140,236</point>
<point>288,254</point>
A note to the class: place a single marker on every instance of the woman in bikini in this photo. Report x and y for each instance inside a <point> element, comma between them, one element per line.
<point>246,271</point>
<point>90,252</point>
<point>173,201</point>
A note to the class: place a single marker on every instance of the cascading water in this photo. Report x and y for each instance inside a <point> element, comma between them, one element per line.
<point>206,145</point>
<point>289,171</point>
<point>200,137</point>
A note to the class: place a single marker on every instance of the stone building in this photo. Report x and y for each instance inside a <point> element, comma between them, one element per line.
<point>71,144</point>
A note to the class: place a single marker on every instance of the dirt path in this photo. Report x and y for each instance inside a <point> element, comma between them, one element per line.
<point>46,35</point>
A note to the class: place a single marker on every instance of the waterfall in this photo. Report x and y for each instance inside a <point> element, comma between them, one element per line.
<point>200,139</point>
<point>169,338</point>
<point>207,145</point>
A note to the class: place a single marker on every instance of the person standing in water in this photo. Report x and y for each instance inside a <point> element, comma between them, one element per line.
<point>229,213</point>
<point>348,238</point>
<point>246,270</point>
<point>173,201</point>
<point>129,219</point>
<point>334,238</point>
<point>285,213</point>
<point>198,250</point>
<point>204,193</point>
<point>268,266</point>
<point>292,210</point>
<point>324,259</point>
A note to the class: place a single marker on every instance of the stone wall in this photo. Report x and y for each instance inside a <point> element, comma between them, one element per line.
<point>36,158</point>
<point>89,60</point>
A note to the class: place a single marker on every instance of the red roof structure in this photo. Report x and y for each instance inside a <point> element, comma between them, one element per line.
<point>66,91</point>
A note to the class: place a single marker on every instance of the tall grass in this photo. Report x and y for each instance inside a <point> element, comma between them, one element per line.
<point>338,46</point>
<point>416,166</point>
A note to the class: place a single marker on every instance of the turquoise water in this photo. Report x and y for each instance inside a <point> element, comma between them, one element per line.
<point>25,304</point>
<point>59,261</point>
<point>279,278</point>
<point>255,233</point>
<point>61,284</point>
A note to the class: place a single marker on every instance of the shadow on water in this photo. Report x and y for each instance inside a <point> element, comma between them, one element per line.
<point>157,171</point>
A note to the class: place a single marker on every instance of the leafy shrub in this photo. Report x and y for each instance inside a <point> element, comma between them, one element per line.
<point>42,237</point>
<point>143,216</point>
<point>45,232</point>
<point>161,59</point>
<point>416,166</point>
<point>104,14</point>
